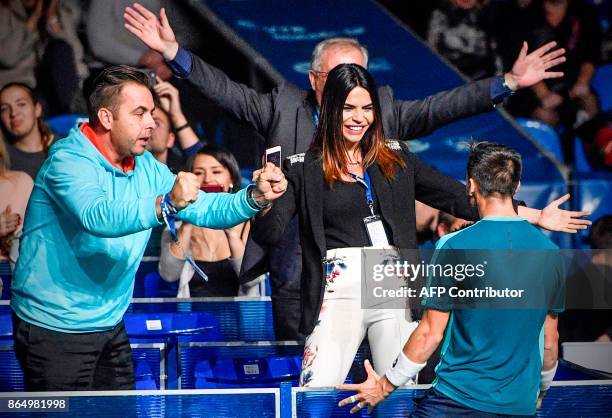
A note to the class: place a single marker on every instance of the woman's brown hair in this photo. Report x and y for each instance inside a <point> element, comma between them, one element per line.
<point>329,139</point>
<point>45,132</point>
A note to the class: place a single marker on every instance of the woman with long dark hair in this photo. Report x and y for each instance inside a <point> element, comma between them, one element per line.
<point>355,189</point>
<point>217,253</point>
<point>27,134</point>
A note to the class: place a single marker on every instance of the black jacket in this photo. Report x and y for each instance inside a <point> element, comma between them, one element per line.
<point>285,115</point>
<point>417,181</point>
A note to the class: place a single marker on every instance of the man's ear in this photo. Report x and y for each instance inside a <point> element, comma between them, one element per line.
<point>472,186</point>
<point>105,116</point>
<point>312,77</point>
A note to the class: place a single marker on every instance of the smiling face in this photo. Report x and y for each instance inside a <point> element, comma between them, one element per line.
<point>18,112</point>
<point>211,172</point>
<point>357,115</point>
<point>132,123</point>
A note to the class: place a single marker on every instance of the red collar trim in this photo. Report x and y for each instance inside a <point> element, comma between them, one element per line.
<point>127,164</point>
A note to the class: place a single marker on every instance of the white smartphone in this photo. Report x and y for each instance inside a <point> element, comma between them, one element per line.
<point>273,155</point>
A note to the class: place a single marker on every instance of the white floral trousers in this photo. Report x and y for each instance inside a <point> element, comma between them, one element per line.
<point>342,325</point>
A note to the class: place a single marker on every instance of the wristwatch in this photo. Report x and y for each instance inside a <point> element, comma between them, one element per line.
<point>252,202</point>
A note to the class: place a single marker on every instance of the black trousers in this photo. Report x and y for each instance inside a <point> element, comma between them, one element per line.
<point>59,361</point>
<point>285,262</point>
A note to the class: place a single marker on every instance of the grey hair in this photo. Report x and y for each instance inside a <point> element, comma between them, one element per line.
<point>315,61</point>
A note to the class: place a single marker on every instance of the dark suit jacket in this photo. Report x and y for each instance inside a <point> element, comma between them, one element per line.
<point>285,117</point>
<point>396,199</point>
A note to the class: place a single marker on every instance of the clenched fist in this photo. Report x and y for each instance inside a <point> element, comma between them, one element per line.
<point>270,184</point>
<point>9,222</point>
<point>185,190</point>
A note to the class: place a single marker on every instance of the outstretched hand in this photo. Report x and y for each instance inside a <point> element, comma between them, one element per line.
<point>154,32</point>
<point>370,393</point>
<point>554,218</point>
<point>530,69</point>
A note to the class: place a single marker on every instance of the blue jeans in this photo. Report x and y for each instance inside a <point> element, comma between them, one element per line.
<point>435,404</point>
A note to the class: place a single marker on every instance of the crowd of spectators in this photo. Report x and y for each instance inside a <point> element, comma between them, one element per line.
<point>52,48</point>
<point>482,37</point>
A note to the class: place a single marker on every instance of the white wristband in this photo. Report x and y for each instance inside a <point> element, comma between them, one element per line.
<point>546,377</point>
<point>403,370</point>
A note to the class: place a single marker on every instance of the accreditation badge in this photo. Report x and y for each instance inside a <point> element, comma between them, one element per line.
<point>376,231</point>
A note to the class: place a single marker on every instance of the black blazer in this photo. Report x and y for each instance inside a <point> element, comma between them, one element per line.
<point>285,115</point>
<point>417,181</point>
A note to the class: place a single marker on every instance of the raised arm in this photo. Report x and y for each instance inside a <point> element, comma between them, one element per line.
<point>440,191</point>
<point>445,193</point>
<point>224,210</point>
<point>170,101</point>
<point>242,102</point>
<point>553,218</point>
<point>80,195</point>
<point>420,117</point>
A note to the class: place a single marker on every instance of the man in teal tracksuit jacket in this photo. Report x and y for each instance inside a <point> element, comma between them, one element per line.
<point>87,224</point>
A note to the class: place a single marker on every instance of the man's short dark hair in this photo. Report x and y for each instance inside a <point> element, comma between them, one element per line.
<point>107,86</point>
<point>495,168</point>
<point>601,233</point>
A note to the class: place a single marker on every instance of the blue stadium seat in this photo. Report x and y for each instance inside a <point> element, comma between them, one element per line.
<point>156,287</point>
<point>602,84</point>
<point>144,376</point>
<point>204,376</point>
<point>5,276</point>
<point>6,326</point>
<point>234,364</point>
<point>147,265</point>
<point>62,124</point>
<point>247,372</point>
<point>172,327</point>
<point>11,376</point>
<point>285,367</point>
<point>544,135</point>
<point>250,364</point>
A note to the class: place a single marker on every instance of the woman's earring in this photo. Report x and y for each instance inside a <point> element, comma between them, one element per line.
<point>231,188</point>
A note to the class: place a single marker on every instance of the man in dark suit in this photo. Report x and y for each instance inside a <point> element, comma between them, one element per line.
<point>288,115</point>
